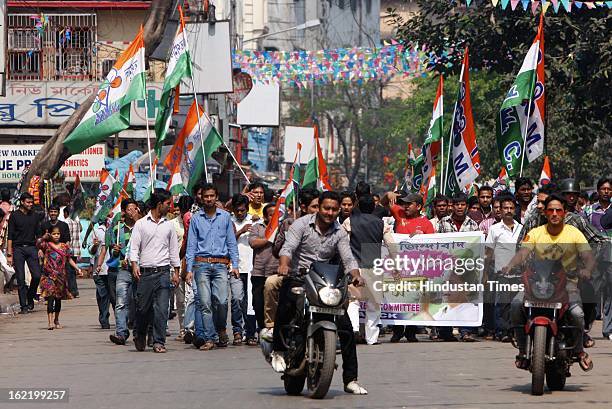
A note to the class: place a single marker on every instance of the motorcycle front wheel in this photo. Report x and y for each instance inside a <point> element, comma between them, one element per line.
<point>538,360</point>
<point>321,371</point>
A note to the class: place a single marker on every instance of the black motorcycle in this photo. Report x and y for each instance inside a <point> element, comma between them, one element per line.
<point>310,338</point>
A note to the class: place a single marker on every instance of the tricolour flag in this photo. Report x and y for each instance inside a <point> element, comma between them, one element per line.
<point>128,183</point>
<point>316,175</point>
<point>279,210</point>
<point>502,182</point>
<point>105,199</point>
<point>431,188</point>
<point>116,189</point>
<point>546,175</point>
<point>465,156</point>
<point>179,67</point>
<point>526,96</point>
<point>110,111</point>
<point>115,212</point>
<point>432,144</point>
<point>295,174</point>
<point>187,149</point>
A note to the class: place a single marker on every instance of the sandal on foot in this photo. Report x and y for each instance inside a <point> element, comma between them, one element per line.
<point>58,325</point>
<point>159,349</point>
<point>208,345</point>
<point>588,341</point>
<point>585,362</point>
<point>51,328</point>
<point>252,342</point>
<point>237,339</point>
<point>521,362</point>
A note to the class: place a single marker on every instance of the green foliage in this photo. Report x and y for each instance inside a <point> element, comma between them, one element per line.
<point>578,49</point>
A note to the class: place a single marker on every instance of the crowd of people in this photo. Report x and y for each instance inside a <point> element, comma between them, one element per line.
<point>204,262</point>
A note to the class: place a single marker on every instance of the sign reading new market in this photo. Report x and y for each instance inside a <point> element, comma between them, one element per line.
<point>14,158</point>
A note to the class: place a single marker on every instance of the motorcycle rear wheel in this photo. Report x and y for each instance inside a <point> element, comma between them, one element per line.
<point>321,372</point>
<point>538,361</point>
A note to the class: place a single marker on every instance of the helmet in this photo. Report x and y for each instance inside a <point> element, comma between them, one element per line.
<point>569,186</point>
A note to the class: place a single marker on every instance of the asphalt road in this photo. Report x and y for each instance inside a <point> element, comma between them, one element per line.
<point>100,374</point>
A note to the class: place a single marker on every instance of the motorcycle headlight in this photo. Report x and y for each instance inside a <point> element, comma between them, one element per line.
<point>330,296</point>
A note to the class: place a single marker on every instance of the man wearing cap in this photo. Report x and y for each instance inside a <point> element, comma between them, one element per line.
<point>408,220</point>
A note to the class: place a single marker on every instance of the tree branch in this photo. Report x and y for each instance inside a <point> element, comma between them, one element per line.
<point>53,153</point>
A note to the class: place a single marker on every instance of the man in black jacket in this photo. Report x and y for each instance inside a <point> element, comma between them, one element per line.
<point>23,229</point>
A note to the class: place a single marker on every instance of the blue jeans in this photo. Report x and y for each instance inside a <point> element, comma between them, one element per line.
<point>104,297</point>
<point>237,301</point>
<point>152,300</point>
<point>124,303</point>
<point>191,301</point>
<point>212,283</point>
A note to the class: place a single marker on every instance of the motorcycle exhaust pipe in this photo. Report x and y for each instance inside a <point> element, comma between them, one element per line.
<point>297,371</point>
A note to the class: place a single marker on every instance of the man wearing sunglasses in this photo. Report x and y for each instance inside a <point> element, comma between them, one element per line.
<point>555,241</point>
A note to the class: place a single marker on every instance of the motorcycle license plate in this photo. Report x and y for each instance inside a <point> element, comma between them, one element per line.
<point>326,310</point>
<point>542,304</point>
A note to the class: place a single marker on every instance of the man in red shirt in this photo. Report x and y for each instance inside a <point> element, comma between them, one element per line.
<point>408,220</point>
<point>407,215</point>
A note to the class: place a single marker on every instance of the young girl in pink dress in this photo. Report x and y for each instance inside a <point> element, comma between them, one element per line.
<point>54,281</point>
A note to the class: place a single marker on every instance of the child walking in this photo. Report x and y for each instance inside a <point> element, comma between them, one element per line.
<point>54,281</point>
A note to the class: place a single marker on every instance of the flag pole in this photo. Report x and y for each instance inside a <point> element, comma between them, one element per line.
<point>195,96</point>
<point>532,87</point>
<point>442,136</point>
<point>144,97</point>
<point>535,75</point>
<point>445,178</point>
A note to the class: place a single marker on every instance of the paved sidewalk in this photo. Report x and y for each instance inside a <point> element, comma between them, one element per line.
<point>100,374</point>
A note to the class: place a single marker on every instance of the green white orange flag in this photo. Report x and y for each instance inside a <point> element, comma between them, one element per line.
<point>115,212</point>
<point>179,67</point>
<point>521,116</point>
<point>432,145</point>
<point>110,111</point>
<point>105,199</point>
<point>316,175</point>
<point>295,174</point>
<point>465,156</point>
<point>128,183</point>
<point>502,182</point>
<point>546,175</point>
<point>186,154</point>
<point>431,188</point>
<point>279,210</point>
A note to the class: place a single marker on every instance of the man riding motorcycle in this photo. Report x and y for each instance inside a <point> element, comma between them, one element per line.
<point>318,237</point>
<point>555,241</point>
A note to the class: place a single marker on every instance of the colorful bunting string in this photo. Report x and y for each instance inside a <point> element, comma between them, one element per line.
<point>545,4</point>
<point>359,64</point>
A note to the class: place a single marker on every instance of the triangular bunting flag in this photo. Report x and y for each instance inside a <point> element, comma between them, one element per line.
<point>546,175</point>
<point>514,3</point>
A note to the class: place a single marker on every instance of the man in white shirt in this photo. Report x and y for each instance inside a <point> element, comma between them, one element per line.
<point>241,303</point>
<point>500,248</point>
<point>153,252</point>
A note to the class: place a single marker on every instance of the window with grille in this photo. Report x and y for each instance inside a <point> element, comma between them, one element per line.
<point>61,49</point>
<point>107,65</point>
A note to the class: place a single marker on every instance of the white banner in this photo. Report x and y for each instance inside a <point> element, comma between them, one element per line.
<point>88,165</point>
<point>52,102</point>
<point>429,279</point>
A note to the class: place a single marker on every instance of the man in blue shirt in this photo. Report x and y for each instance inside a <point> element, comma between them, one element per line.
<point>211,252</point>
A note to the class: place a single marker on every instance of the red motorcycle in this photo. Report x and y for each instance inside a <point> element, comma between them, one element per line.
<point>550,340</point>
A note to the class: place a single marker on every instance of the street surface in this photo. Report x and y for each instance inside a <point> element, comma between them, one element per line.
<point>100,374</point>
